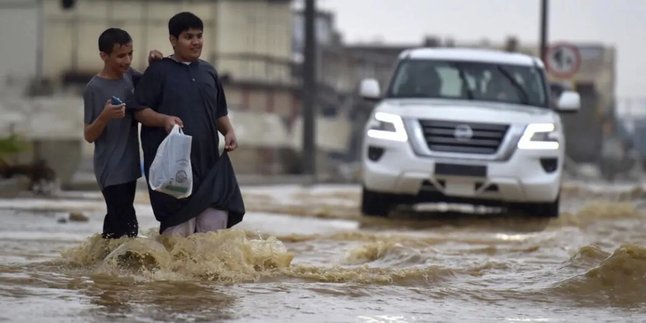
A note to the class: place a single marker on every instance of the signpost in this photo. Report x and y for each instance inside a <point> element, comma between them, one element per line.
<point>563,60</point>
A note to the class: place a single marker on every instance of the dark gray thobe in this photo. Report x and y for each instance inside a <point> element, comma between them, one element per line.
<point>193,93</point>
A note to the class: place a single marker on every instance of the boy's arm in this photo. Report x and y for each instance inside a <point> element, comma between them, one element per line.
<point>147,94</point>
<point>225,127</point>
<point>154,55</point>
<point>94,126</point>
<point>222,122</point>
<point>150,118</point>
<point>95,129</point>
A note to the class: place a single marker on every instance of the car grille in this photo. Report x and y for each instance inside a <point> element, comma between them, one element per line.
<point>463,137</point>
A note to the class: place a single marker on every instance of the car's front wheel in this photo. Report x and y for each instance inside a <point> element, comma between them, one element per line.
<point>375,203</point>
<point>547,210</point>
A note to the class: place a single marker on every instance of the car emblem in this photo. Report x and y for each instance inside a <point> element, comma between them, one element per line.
<point>463,132</point>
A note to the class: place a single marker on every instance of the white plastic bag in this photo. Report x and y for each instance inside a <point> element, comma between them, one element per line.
<point>171,171</point>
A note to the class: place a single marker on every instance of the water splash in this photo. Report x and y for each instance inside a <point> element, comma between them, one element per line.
<point>598,211</point>
<point>585,192</point>
<point>411,276</point>
<point>389,253</point>
<point>587,256</point>
<point>232,256</point>
<point>619,279</point>
<point>227,255</point>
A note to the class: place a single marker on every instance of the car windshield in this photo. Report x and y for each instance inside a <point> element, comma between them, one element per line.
<point>469,81</point>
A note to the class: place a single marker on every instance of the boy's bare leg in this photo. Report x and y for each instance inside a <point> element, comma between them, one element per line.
<point>211,220</point>
<point>183,229</point>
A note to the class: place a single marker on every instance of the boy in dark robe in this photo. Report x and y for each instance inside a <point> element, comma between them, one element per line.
<point>183,89</point>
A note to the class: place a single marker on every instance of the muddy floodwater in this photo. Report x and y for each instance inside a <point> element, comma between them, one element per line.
<point>304,254</point>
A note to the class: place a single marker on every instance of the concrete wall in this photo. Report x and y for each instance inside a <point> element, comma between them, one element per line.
<point>19,39</point>
<point>231,29</point>
<point>52,129</point>
<point>71,35</point>
<point>254,40</point>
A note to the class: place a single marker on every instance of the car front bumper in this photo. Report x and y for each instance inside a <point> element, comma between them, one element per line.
<point>520,178</point>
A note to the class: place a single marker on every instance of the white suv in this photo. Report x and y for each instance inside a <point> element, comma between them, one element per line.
<point>464,126</point>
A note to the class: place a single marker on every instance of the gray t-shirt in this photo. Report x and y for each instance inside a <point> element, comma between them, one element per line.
<point>116,150</point>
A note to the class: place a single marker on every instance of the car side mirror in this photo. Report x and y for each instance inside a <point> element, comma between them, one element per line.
<point>569,101</point>
<point>369,90</point>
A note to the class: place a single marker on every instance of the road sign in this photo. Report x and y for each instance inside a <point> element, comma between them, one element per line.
<point>563,60</point>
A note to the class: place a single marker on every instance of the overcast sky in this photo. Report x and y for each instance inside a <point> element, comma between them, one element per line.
<point>619,23</point>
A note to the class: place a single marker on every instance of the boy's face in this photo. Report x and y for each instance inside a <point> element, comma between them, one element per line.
<point>188,46</point>
<point>120,58</point>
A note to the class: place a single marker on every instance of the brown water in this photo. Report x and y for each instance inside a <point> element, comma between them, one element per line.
<point>305,254</point>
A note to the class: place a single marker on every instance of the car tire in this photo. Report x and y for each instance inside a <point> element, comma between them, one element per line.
<point>544,210</point>
<point>550,210</point>
<point>375,203</point>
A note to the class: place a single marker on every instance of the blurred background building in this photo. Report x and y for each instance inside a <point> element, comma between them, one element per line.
<point>257,48</point>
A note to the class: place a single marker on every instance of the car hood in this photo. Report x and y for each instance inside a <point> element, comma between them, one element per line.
<point>473,111</point>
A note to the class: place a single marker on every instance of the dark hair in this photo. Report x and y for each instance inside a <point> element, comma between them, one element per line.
<point>112,36</point>
<point>184,21</point>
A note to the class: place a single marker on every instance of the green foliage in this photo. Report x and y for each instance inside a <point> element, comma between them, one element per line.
<point>11,145</point>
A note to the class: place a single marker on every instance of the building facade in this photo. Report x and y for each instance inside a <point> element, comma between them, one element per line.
<point>248,42</point>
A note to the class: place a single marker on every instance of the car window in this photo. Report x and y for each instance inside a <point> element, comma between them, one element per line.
<point>451,82</point>
<point>469,81</point>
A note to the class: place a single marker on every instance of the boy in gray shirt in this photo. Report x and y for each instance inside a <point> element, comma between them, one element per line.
<point>113,130</point>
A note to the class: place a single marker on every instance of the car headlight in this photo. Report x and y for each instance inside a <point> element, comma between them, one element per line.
<point>539,136</point>
<point>387,126</point>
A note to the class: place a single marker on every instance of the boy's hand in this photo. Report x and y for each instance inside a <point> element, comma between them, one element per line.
<point>230,141</point>
<point>154,55</point>
<point>170,121</point>
<point>111,111</point>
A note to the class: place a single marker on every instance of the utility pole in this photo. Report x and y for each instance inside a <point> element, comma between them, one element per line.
<point>544,17</point>
<point>39,41</point>
<point>309,90</point>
